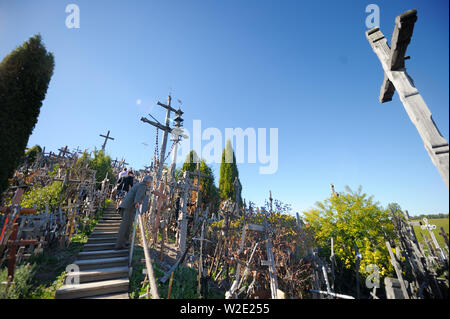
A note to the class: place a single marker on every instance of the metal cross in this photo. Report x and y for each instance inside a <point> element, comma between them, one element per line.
<point>430,229</point>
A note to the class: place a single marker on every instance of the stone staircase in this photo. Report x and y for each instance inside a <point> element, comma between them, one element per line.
<point>103,271</point>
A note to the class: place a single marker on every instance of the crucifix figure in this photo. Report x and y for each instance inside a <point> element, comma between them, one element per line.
<point>106,140</point>
<point>430,228</point>
<point>396,79</point>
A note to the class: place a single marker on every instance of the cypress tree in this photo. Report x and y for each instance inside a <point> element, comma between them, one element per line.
<point>228,172</point>
<point>190,163</point>
<point>24,77</point>
<point>208,189</point>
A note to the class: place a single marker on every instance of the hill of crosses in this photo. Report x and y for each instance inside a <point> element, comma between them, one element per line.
<point>76,223</point>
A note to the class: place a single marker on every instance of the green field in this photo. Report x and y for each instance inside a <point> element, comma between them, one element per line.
<point>439,222</point>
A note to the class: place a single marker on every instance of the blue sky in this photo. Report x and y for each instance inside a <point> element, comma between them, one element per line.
<point>305,68</point>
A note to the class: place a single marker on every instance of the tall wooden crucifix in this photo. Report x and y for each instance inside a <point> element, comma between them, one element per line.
<point>106,140</point>
<point>396,79</point>
<point>165,128</point>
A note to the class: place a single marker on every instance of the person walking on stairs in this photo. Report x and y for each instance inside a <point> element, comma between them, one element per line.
<point>128,207</point>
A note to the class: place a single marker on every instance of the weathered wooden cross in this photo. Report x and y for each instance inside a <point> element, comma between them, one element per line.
<point>122,164</point>
<point>63,152</point>
<point>182,219</point>
<point>106,140</point>
<point>13,243</point>
<point>398,271</point>
<point>397,79</point>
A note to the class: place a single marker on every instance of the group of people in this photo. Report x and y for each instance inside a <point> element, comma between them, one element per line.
<point>129,196</point>
<point>124,182</point>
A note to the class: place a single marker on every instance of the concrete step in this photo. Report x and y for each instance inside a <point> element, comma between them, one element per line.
<point>93,289</point>
<point>102,274</point>
<point>111,296</point>
<point>101,234</point>
<point>87,264</point>
<point>99,254</point>
<point>102,240</point>
<point>97,247</point>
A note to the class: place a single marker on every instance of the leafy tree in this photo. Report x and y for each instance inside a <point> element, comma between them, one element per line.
<point>24,77</point>
<point>228,173</point>
<point>101,163</point>
<point>31,154</point>
<point>39,197</point>
<point>352,219</point>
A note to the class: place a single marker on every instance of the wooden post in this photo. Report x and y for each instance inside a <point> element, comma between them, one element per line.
<point>357,261</point>
<point>398,271</point>
<point>333,261</point>
<point>271,263</point>
<point>234,286</point>
<point>148,260</point>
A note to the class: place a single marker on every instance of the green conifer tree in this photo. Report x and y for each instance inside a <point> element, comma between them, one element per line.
<point>228,173</point>
<point>24,77</point>
<point>209,191</point>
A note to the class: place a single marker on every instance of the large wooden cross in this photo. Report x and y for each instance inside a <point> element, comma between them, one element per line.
<point>106,140</point>
<point>397,79</point>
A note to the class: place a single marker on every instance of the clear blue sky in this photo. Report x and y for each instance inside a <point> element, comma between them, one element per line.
<point>305,68</point>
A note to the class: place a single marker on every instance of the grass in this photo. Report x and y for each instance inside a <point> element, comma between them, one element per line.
<point>184,284</point>
<point>439,222</point>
